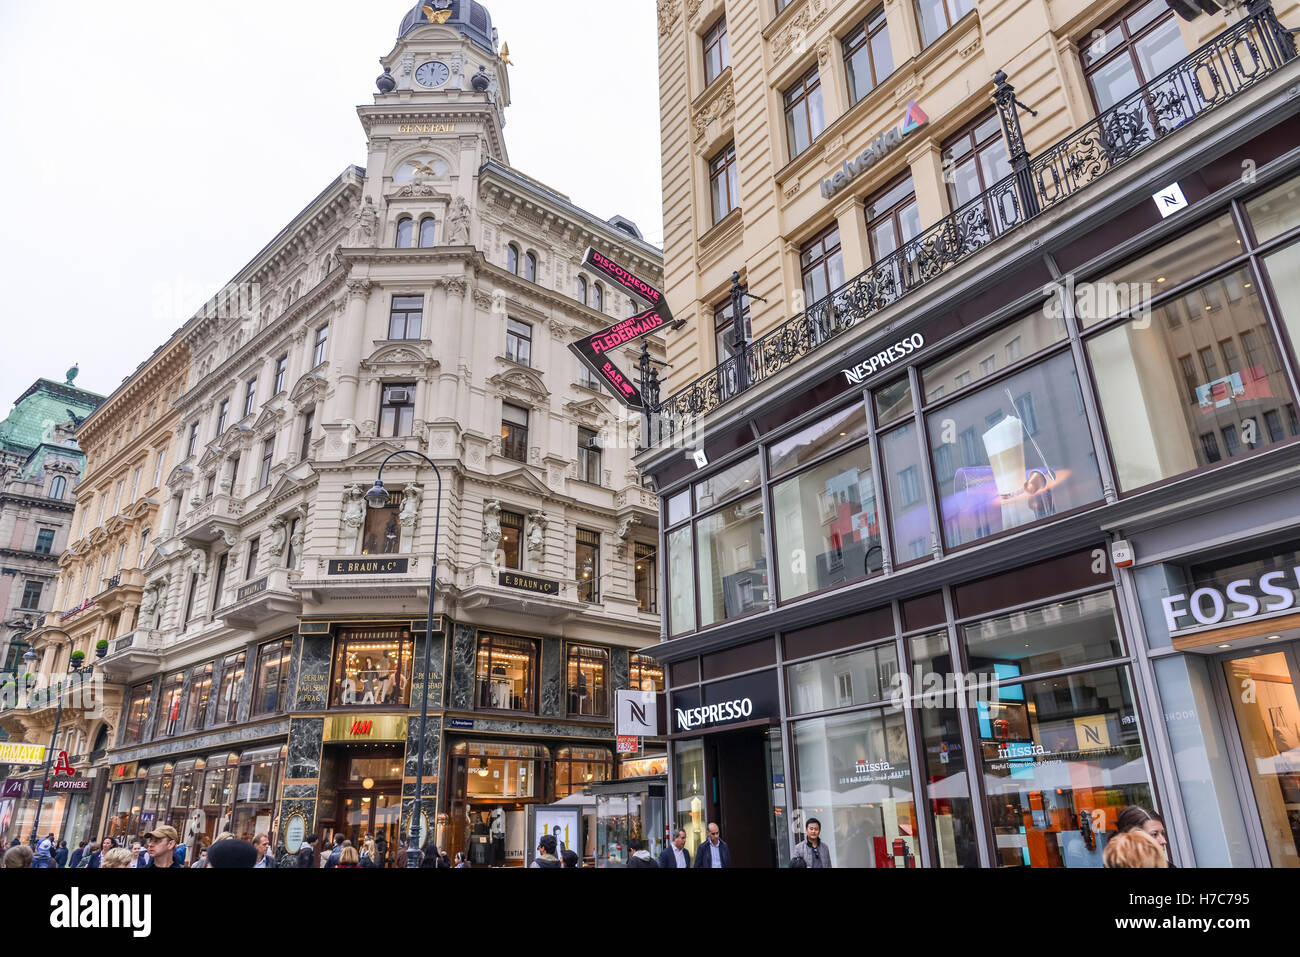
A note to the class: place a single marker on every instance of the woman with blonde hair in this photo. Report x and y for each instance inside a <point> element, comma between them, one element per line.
<point>348,857</point>
<point>1134,848</point>
<point>118,857</point>
<point>367,858</point>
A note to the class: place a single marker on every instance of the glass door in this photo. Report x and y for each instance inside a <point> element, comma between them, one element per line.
<point>1262,690</point>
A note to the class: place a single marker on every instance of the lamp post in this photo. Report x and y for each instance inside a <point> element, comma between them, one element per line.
<point>75,667</point>
<point>378,497</point>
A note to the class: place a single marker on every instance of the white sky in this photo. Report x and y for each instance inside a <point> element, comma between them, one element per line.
<point>150,148</point>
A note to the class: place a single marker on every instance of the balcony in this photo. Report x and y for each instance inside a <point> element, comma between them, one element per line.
<point>1239,58</point>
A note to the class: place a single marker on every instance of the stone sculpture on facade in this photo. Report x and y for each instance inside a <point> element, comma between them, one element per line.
<point>276,538</point>
<point>354,508</point>
<point>491,527</point>
<point>411,496</point>
<point>537,524</point>
<point>458,229</point>
<point>365,223</point>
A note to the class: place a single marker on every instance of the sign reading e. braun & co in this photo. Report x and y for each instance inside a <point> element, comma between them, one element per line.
<point>370,566</point>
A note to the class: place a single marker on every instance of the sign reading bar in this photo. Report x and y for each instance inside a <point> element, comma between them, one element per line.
<point>627,281</point>
<point>370,566</point>
<point>593,352</point>
<point>531,583</point>
<point>251,589</point>
<point>30,755</point>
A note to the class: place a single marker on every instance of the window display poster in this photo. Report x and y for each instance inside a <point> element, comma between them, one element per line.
<point>562,822</point>
<point>516,836</point>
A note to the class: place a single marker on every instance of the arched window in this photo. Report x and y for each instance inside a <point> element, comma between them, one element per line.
<point>598,298</point>
<point>582,290</point>
<point>530,267</point>
<point>404,227</point>
<point>59,487</point>
<point>426,232</point>
<point>512,258</point>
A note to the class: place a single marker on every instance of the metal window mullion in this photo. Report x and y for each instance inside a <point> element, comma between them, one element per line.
<point>927,470</point>
<point>915,747</point>
<point>985,839</point>
<point>878,484</point>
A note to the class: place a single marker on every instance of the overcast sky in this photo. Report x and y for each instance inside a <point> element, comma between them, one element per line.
<point>150,148</point>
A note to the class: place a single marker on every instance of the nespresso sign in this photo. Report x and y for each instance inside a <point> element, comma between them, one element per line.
<point>900,350</point>
<point>723,703</point>
<point>1239,600</point>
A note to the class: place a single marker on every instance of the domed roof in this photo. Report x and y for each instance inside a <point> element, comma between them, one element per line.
<point>470,18</point>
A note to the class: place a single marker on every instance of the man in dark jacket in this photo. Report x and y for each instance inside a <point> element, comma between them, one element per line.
<point>307,853</point>
<point>77,855</point>
<point>333,860</point>
<point>546,853</point>
<point>713,852</point>
<point>676,855</point>
<point>161,844</point>
<point>640,856</point>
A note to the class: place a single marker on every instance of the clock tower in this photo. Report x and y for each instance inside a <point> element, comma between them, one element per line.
<point>438,117</point>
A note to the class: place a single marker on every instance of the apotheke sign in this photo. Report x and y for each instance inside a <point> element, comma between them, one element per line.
<point>1241,599</point>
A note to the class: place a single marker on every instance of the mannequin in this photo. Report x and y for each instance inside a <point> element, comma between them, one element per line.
<point>498,827</point>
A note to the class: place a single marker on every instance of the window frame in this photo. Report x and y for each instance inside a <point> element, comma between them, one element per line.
<point>519,342</point>
<point>796,96</point>
<point>589,457</point>
<point>1126,47</point>
<point>892,215</point>
<point>514,433</point>
<point>396,419</point>
<point>724,183</point>
<point>405,318</point>
<point>514,644</point>
<point>821,262</point>
<point>428,230</point>
<point>262,659</point>
<point>268,457</point>
<point>574,656</point>
<point>715,39</point>
<point>862,38</point>
<point>319,350</point>
<point>591,587</point>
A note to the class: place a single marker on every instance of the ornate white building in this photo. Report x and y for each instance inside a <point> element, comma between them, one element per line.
<point>424,303</point>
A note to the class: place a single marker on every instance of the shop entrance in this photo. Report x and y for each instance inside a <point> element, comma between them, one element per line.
<point>369,801</point>
<point>490,786</point>
<point>1262,689</point>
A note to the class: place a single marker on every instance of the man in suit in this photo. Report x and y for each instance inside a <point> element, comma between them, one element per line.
<point>713,852</point>
<point>675,855</point>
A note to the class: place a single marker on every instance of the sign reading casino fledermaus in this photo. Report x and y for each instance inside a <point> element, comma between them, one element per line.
<point>369,566</point>
<point>540,586</point>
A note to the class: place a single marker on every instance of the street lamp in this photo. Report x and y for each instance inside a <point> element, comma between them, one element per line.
<point>75,666</point>
<point>378,497</point>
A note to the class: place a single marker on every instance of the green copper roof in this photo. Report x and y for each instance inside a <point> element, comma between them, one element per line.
<point>38,410</point>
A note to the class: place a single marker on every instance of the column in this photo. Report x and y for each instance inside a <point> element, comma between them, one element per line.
<point>348,334</point>
<point>854,246</point>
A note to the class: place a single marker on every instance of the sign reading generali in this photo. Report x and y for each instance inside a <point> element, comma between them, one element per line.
<point>723,703</point>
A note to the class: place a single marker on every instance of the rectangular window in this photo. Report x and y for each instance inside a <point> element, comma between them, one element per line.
<point>158,468</point>
<point>827,526</point>
<point>1062,635</point>
<point>732,570</point>
<point>250,397</point>
<point>856,678</point>
<point>587,565</point>
<point>724,186</point>
<point>821,264</point>
<point>272,679</point>
<point>250,569</point>
<point>382,530</point>
<point>519,342</point>
<point>144,548</point>
<point>194,441</point>
<point>909,513</point>
<point>32,595</point>
<point>512,534</point>
<point>975,160</point>
<point>268,455</point>
<point>588,380</point>
<point>196,710</point>
<point>191,595</point>
<point>936,17</point>
<point>892,219</point>
<point>281,372</point>
<point>137,714</point>
<point>804,116</point>
<point>506,674</point>
<point>645,674</point>
<point>117,500</point>
<point>232,676</point>
<point>45,541</point>
<point>169,706</point>
<point>406,319</point>
<point>223,416</point>
<point>724,327</point>
<point>589,456</point>
<point>514,432</point>
<point>646,580</point>
<point>681,582</point>
<point>373,668</point>
<point>739,479</point>
<point>1142,43</point>
<point>135,485</point>
<point>397,411</point>
<point>717,51</point>
<point>868,58</point>
<point>1007,477</point>
<point>219,583</point>
<point>1160,414</point>
<point>308,422</point>
<point>588,681</point>
<point>322,340</point>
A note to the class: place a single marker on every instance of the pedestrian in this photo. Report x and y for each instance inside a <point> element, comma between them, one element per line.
<point>44,856</point>
<point>119,858</point>
<point>546,853</point>
<point>141,857</point>
<point>367,856</point>
<point>307,852</point>
<point>811,849</point>
<point>160,844</point>
<point>1134,848</point>
<point>232,854</point>
<point>676,855</point>
<point>713,852</point>
<point>1150,823</point>
<point>262,844</point>
<point>203,859</point>
<point>337,852</point>
<point>640,856</point>
<point>430,854</point>
<point>18,856</point>
<point>348,857</point>
<point>77,855</point>
<point>570,858</point>
<point>460,861</point>
<point>97,859</point>
<point>61,855</point>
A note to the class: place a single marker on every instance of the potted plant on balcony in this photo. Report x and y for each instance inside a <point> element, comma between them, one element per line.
<point>77,658</point>
<point>101,648</point>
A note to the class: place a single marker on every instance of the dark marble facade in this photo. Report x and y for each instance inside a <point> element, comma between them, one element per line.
<point>305,737</point>
<point>234,738</point>
<point>313,663</point>
<point>552,678</point>
<point>463,649</point>
<point>432,747</point>
<point>535,727</point>
<point>620,669</point>
<point>436,673</point>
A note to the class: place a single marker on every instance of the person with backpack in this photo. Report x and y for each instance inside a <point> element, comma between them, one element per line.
<point>307,852</point>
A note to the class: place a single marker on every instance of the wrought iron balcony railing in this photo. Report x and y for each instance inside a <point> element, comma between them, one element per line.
<point>1239,57</point>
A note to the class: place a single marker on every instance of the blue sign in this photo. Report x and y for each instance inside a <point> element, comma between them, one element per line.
<point>460,724</point>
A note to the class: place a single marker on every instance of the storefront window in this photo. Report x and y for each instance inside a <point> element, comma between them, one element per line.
<point>508,553</point>
<point>858,678</point>
<point>1275,212</point>
<point>588,681</point>
<point>1061,757</point>
<point>196,709</point>
<point>218,798</point>
<point>1039,640</point>
<point>137,718</point>
<point>382,534</point>
<point>578,768</point>
<point>187,790</point>
<point>990,355</point>
<point>739,479</point>
<point>689,783</point>
<point>838,430</point>
<point>909,507</point>
<point>645,674</point>
<point>1198,383</point>
<point>169,706</point>
<point>681,582</point>
<point>827,527</point>
<point>269,691</point>
<point>952,813</point>
<point>232,676</point>
<point>1013,453</point>
<point>854,774</point>
<point>157,795</point>
<point>503,771</point>
<point>373,668</point>
<point>893,402</point>
<point>732,563</point>
<point>507,673</point>
<point>1284,270</point>
<point>257,793</point>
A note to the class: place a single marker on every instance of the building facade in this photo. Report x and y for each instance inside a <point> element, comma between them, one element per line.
<point>40,470</point>
<point>273,675</point>
<point>983,526</point>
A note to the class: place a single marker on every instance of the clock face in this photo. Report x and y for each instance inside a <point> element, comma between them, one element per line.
<point>432,73</point>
